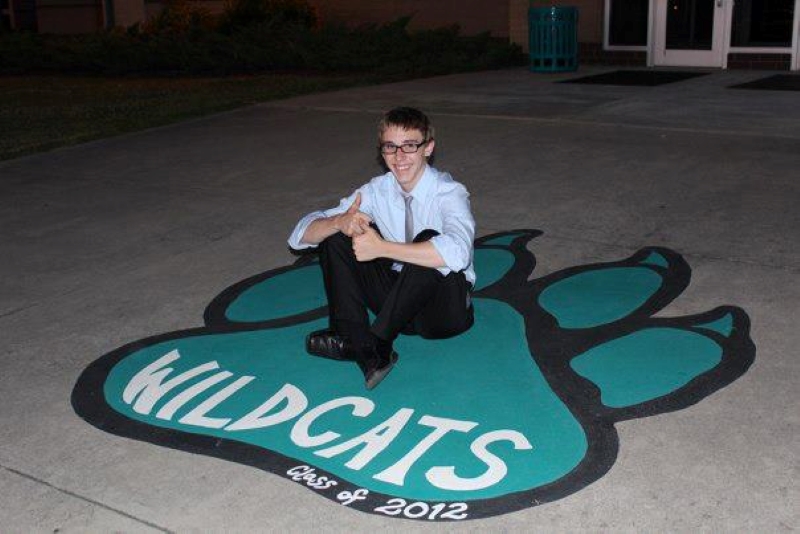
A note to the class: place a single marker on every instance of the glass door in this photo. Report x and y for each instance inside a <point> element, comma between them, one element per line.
<point>689,32</point>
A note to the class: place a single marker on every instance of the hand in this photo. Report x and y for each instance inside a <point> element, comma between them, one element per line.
<point>368,245</point>
<point>352,222</point>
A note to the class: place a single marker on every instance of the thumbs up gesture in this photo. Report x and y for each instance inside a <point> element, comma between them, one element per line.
<point>353,222</point>
<point>368,245</point>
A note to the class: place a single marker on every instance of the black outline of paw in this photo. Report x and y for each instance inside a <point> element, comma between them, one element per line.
<point>551,346</point>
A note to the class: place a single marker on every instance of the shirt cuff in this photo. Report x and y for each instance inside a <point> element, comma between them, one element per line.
<point>456,257</point>
<point>295,240</point>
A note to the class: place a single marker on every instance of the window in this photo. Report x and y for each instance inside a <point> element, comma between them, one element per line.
<point>5,15</point>
<point>627,22</point>
<point>690,24</point>
<point>762,23</point>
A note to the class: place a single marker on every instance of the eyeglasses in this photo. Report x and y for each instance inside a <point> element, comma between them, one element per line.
<point>407,148</point>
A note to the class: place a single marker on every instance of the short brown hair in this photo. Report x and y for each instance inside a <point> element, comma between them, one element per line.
<point>407,119</point>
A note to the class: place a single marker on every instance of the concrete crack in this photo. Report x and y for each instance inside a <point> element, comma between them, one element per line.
<point>85,499</point>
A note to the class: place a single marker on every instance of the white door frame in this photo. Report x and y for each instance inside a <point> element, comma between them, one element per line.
<point>716,57</point>
<point>10,13</point>
<point>796,37</point>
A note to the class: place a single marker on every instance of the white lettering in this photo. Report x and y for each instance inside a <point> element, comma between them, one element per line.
<point>375,440</point>
<point>446,478</point>
<point>361,407</point>
<point>348,497</point>
<point>197,417</point>
<point>296,402</point>
<point>396,474</point>
<point>169,409</point>
<point>149,386</point>
<point>155,381</point>
<point>308,475</point>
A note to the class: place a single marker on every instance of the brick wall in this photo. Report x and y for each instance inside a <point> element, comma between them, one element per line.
<point>128,12</point>
<point>75,16</point>
<point>20,14</point>
<point>759,61</point>
<point>518,22</point>
<point>593,53</point>
<point>473,17</point>
<point>154,7</point>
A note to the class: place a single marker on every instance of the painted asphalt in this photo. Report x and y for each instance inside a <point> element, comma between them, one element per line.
<point>116,240</point>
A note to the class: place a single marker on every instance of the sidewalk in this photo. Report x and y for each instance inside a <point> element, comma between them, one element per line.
<point>117,240</point>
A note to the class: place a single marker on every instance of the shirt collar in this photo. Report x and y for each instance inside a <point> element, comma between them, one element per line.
<point>420,190</point>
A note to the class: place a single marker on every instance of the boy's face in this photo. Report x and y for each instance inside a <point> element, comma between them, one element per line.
<point>407,168</point>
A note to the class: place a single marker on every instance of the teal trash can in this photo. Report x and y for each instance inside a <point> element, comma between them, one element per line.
<point>553,38</point>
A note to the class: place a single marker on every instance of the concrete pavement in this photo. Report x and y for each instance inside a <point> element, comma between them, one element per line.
<point>116,240</point>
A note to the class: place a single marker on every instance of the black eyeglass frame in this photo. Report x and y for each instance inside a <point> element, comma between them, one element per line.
<point>403,147</point>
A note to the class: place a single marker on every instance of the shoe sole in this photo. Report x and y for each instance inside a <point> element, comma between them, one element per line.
<point>378,376</point>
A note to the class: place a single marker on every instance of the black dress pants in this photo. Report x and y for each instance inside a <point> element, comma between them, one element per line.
<point>417,300</point>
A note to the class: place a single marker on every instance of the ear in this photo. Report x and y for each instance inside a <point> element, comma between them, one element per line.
<point>429,148</point>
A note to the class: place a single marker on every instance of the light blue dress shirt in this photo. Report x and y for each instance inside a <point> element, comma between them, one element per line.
<point>440,203</point>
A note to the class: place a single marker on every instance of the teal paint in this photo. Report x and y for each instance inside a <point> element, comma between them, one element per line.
<point>504,240</point>
<point>497,384</point>
<point>723,325</point>
<point>288,294</point>
<point>656,259</point>
<point>593,298</point>
<point>647,364</point>
<point>491,265</point>
<point>514,370</point>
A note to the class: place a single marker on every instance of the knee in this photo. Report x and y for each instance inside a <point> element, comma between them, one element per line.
<point>420,273</point>
<point>448,327</point>
<point>336,246</point>
<point>336,241</point>
<point>419,270</point>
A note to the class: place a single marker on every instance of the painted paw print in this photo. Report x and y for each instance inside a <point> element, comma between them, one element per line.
<point>518,411</point>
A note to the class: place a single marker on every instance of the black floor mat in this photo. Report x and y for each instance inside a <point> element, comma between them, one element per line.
<point>637,77</point>
<point>778,82</point>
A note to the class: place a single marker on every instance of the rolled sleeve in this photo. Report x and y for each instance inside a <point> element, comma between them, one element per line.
<point>455,242</point>
<point>453,252</point>
<point>296,238</point>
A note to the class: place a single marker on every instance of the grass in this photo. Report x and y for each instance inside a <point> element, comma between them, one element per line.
<point>39,113</point>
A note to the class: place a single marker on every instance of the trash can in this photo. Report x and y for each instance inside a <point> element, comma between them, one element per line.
<point>553,38</point>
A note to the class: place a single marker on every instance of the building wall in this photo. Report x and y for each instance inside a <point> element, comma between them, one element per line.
<point>128,12</point>
<point>473,17</point>
<point>69,16</point>
<point>518,22</point>
<point>476,16</point>
<point>154,7</point>
<point>18,14</point>
<point>759,61</point>
<point>590,20</point>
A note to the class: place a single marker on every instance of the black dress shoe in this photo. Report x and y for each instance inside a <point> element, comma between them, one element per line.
<point>328,344</point>
<point>379,366</point>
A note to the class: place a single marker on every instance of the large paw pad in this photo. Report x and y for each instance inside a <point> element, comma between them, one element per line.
<point>515,412</point>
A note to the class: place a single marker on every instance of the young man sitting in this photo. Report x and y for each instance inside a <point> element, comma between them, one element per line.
<point>401,246</point>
